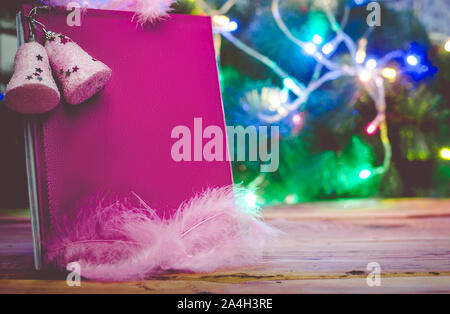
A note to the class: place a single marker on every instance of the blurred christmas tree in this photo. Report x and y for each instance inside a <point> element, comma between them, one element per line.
<point>328,145</point>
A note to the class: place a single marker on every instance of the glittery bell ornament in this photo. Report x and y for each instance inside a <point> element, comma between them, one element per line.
<point>32,88</point>
<point>81,76</point>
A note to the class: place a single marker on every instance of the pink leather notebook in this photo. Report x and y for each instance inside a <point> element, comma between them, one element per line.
<point>120,141</point>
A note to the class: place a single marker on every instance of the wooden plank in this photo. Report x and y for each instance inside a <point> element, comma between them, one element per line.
<point>323,247</point>
<point>353,285</point>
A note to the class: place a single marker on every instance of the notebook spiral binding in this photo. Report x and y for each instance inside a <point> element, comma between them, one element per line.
<point>31,168</point>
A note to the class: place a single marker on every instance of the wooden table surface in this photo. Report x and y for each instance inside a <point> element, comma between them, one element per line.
<point>323,248</point>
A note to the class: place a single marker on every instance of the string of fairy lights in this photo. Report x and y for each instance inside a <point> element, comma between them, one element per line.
<point>370,72</point>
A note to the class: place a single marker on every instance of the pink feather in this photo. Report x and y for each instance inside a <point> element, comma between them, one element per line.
<point>145,10</point>
<point>122,241</point>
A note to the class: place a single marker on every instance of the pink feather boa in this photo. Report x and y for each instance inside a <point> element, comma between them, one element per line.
<point>121,241</point>
<point>145,10</point>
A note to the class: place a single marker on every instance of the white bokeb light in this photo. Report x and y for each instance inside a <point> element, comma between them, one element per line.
<point>412,60</point>
<point>371,64</point>
<point>310,48</point>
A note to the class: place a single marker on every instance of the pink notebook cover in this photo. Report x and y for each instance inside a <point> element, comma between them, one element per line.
<point>120,141</point>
